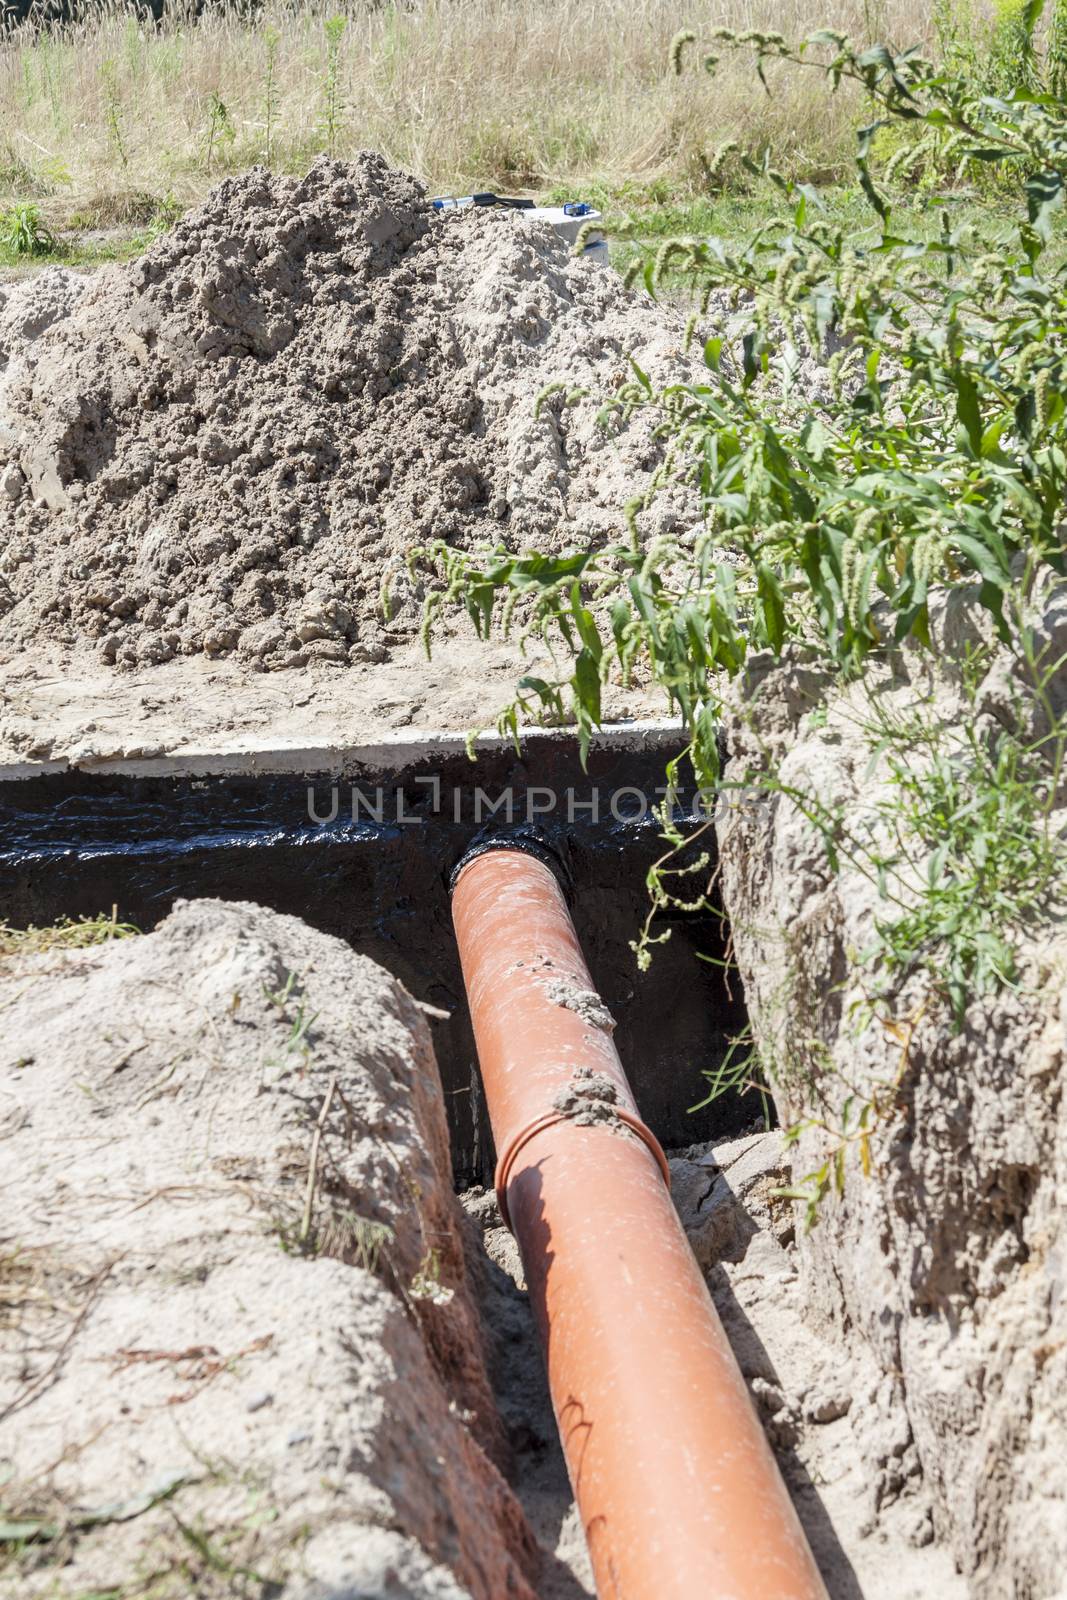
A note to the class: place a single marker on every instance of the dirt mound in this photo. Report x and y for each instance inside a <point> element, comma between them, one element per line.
<point>204,1381</point>
<point>224,446</point>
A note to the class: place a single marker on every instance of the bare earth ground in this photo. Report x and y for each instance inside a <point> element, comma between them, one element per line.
<point>943,1270</point>
<point>69,707</point>
<point>211,458</point>
<point>237,1339</point>
<point>230,445</point>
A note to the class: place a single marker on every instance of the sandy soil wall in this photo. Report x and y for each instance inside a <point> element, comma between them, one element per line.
<point>203,1374</point>
<point>943,1271</point>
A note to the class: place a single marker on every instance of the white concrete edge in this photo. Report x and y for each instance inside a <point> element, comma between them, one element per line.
<point>403,748</point>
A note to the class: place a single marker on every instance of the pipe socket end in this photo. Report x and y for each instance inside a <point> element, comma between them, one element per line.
<point>527,839</point>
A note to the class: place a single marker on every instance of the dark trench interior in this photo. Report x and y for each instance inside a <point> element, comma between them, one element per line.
<point>75,843</point>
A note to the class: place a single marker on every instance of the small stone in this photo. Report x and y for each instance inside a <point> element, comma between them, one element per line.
<point>219,640</point>
<point>258,1401</point>
<point>12,482</point>
<point>154,648</point>
<point>826,1406</point>
<point>325,620</point>
<point>329,650</point>
<point>779,1413</point>
<point>373,654</point>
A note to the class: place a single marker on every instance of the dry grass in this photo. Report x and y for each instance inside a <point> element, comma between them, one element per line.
<point>528,94</point>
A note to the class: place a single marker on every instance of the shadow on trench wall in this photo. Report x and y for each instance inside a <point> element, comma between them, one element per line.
<point>374,869</point>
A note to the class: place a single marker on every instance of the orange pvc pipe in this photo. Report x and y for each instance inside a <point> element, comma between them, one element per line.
<point>678,1490</point>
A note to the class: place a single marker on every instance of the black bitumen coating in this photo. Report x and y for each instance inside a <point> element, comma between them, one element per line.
<point>74,844</point>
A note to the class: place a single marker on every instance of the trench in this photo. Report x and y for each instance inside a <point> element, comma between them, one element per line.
<point>361,844</point>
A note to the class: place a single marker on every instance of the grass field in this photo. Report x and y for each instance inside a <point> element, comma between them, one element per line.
<point>112,126</point>
<point>637,220</point>
<point>107,121</point>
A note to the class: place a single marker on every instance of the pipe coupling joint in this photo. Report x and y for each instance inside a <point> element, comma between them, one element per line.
<point>518,1140</point>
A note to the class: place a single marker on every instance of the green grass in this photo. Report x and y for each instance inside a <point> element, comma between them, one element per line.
<point>74,253</point>
<point>639,218</point>
<point>640,222</point>
<point>24,233</point>
<point>88,240</point>
<point>66,934</point>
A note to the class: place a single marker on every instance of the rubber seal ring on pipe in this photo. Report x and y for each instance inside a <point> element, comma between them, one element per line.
<point>506,1160</point>
<point>528,841</point>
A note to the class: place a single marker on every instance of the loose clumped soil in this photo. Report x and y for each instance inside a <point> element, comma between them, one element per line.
<point>225,447</point>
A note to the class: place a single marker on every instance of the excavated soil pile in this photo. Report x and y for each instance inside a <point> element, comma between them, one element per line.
<point>224,446</point>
